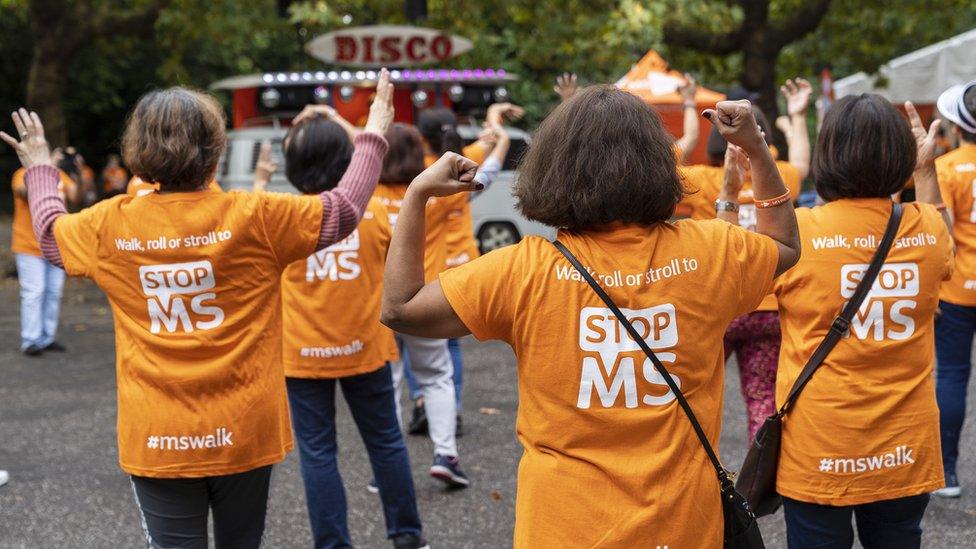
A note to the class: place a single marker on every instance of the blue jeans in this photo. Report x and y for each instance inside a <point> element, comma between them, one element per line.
<point>953,350</point>
<point>370,399</point>
<point>454,346</point>
<point>41,284</point>
<point>890,524</point>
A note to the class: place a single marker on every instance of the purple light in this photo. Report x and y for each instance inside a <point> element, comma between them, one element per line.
<point>421,75</point>
<point>490,73</point>
<point>467,73</point>
<point>406,75</point>
<point>478,73</point>
<point>502,73</point>
<point>442,74</point>
<point>431,74</point>
<point>455,74</point>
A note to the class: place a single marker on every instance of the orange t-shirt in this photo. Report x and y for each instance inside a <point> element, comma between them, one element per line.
<point>138,187</point>
<point>348,278</point>
<point>22,239</point>
<point>194,283</point>
<point>866,427</point>
<point>704,183</point>
<point>957,179</point>
<point>461,244</point>
<point>435,250</point>
<point>610,458</point>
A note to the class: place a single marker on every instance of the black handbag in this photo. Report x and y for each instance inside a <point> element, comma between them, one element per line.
<point>757,478</point>
<point>741,529</point>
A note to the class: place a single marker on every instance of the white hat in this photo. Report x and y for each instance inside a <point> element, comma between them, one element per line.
<point>952,105</point>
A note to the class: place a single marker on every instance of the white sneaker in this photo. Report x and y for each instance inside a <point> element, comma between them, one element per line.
<point>4,477</point>
<point>952,488</point>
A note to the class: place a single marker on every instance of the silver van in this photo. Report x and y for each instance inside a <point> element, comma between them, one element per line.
<point>496,221</point>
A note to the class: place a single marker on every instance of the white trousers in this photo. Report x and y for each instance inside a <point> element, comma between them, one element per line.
<point>430,362</point>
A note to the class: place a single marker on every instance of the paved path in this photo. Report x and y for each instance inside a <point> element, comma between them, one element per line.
<point>57,439</point>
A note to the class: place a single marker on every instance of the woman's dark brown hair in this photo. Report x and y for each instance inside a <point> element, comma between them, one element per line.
<point>405,157</point>
<point>865,149</point>
<point>601,157</point>
<point>174,137</point>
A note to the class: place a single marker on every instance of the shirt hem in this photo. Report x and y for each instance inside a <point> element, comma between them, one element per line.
<point>333,373</point>
<point>858,499</point>
<point>206,471</point>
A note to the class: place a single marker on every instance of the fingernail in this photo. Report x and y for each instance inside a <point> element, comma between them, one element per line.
<point>479,187</point>
<point>707,115</point>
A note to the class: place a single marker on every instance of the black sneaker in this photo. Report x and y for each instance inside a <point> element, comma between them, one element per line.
<point>952,488</point>
<point>448,470</point>
<point>33,350</point>
<point>418,423</point>
<point>409,541</point>
<point>459,429</point>
<point>55,347</point>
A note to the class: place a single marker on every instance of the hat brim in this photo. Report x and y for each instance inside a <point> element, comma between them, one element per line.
<point>950,105</point>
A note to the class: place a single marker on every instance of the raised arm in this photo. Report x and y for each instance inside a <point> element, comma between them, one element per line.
<point>926,178</point>
<point>690,133</point>
<point>797,93</point>
<point>343,206</point>
<point>328,112</point>
<point>264,168</point>
<point>41,180</point>
<point>409,306</point>
<point>774,206</point>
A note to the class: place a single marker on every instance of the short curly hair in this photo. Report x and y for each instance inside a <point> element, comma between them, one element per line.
<point>174,137</point>
<point>601,157</point>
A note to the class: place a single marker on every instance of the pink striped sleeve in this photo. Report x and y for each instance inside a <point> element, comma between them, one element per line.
<point>343,206</point>
<point>46,205</point>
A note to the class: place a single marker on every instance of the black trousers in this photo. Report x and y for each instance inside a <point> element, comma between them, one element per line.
<point>174,510</point>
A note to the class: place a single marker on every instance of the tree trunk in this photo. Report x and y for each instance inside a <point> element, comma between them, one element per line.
<point>45,89</point>
<point>759,75</point>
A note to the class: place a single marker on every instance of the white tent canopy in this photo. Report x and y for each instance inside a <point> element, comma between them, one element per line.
<point>919,76</point>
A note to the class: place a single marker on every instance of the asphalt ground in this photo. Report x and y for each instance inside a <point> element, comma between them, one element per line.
<point>57,440</point>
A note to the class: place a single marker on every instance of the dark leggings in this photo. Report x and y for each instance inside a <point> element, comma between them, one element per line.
<point>174,510</point>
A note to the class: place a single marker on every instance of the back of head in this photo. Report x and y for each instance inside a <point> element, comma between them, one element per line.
<point>601,157</point>
<point>438,126</point>
<point>969,103</point>
<point>174,137</point>
<point>865,149</point>
<point>405,157</point>
<point>317,153</point>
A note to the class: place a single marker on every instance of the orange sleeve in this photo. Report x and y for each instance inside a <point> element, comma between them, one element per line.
<point>945,176</point>
<point>481,293</point>
<point>292,224</point>
<point>77,236</point>
<point>754,256</point>
<point>476,152</point>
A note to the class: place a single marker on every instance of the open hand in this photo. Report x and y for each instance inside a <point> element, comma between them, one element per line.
<point>924,140</point>
<point>688,90</point>
<point>451,174</point>
<point>797,93</point>
<point>381,111</point>
<point>32,149</point>
<point>736,123</point>
<point>736,168</point>
<point>565,85</point>
<point>265,166</point>
<point>499,112</point>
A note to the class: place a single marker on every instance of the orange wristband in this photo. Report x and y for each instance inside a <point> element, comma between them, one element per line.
<point>773,202</point>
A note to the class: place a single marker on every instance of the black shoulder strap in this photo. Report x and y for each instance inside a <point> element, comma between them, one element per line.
<point>722,473</point>
<point>842,323</point>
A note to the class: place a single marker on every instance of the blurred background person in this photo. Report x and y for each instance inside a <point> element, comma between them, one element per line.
<point>41,282</point>
<point>114,177</point>
<point>955,326</point>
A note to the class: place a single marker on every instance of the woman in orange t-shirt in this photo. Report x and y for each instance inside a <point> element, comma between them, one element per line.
<point>193,278</point>
<point>438,127</point>
<point>332,336</point>
<point>753,338</point>
<point>610,458</point>
<point>863,437</point>
<point>430,358</point>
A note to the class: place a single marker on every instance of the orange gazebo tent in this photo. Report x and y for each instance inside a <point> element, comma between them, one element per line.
<point>656,83</point>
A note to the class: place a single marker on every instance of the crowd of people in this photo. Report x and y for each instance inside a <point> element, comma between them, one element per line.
<point>229,340</point>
